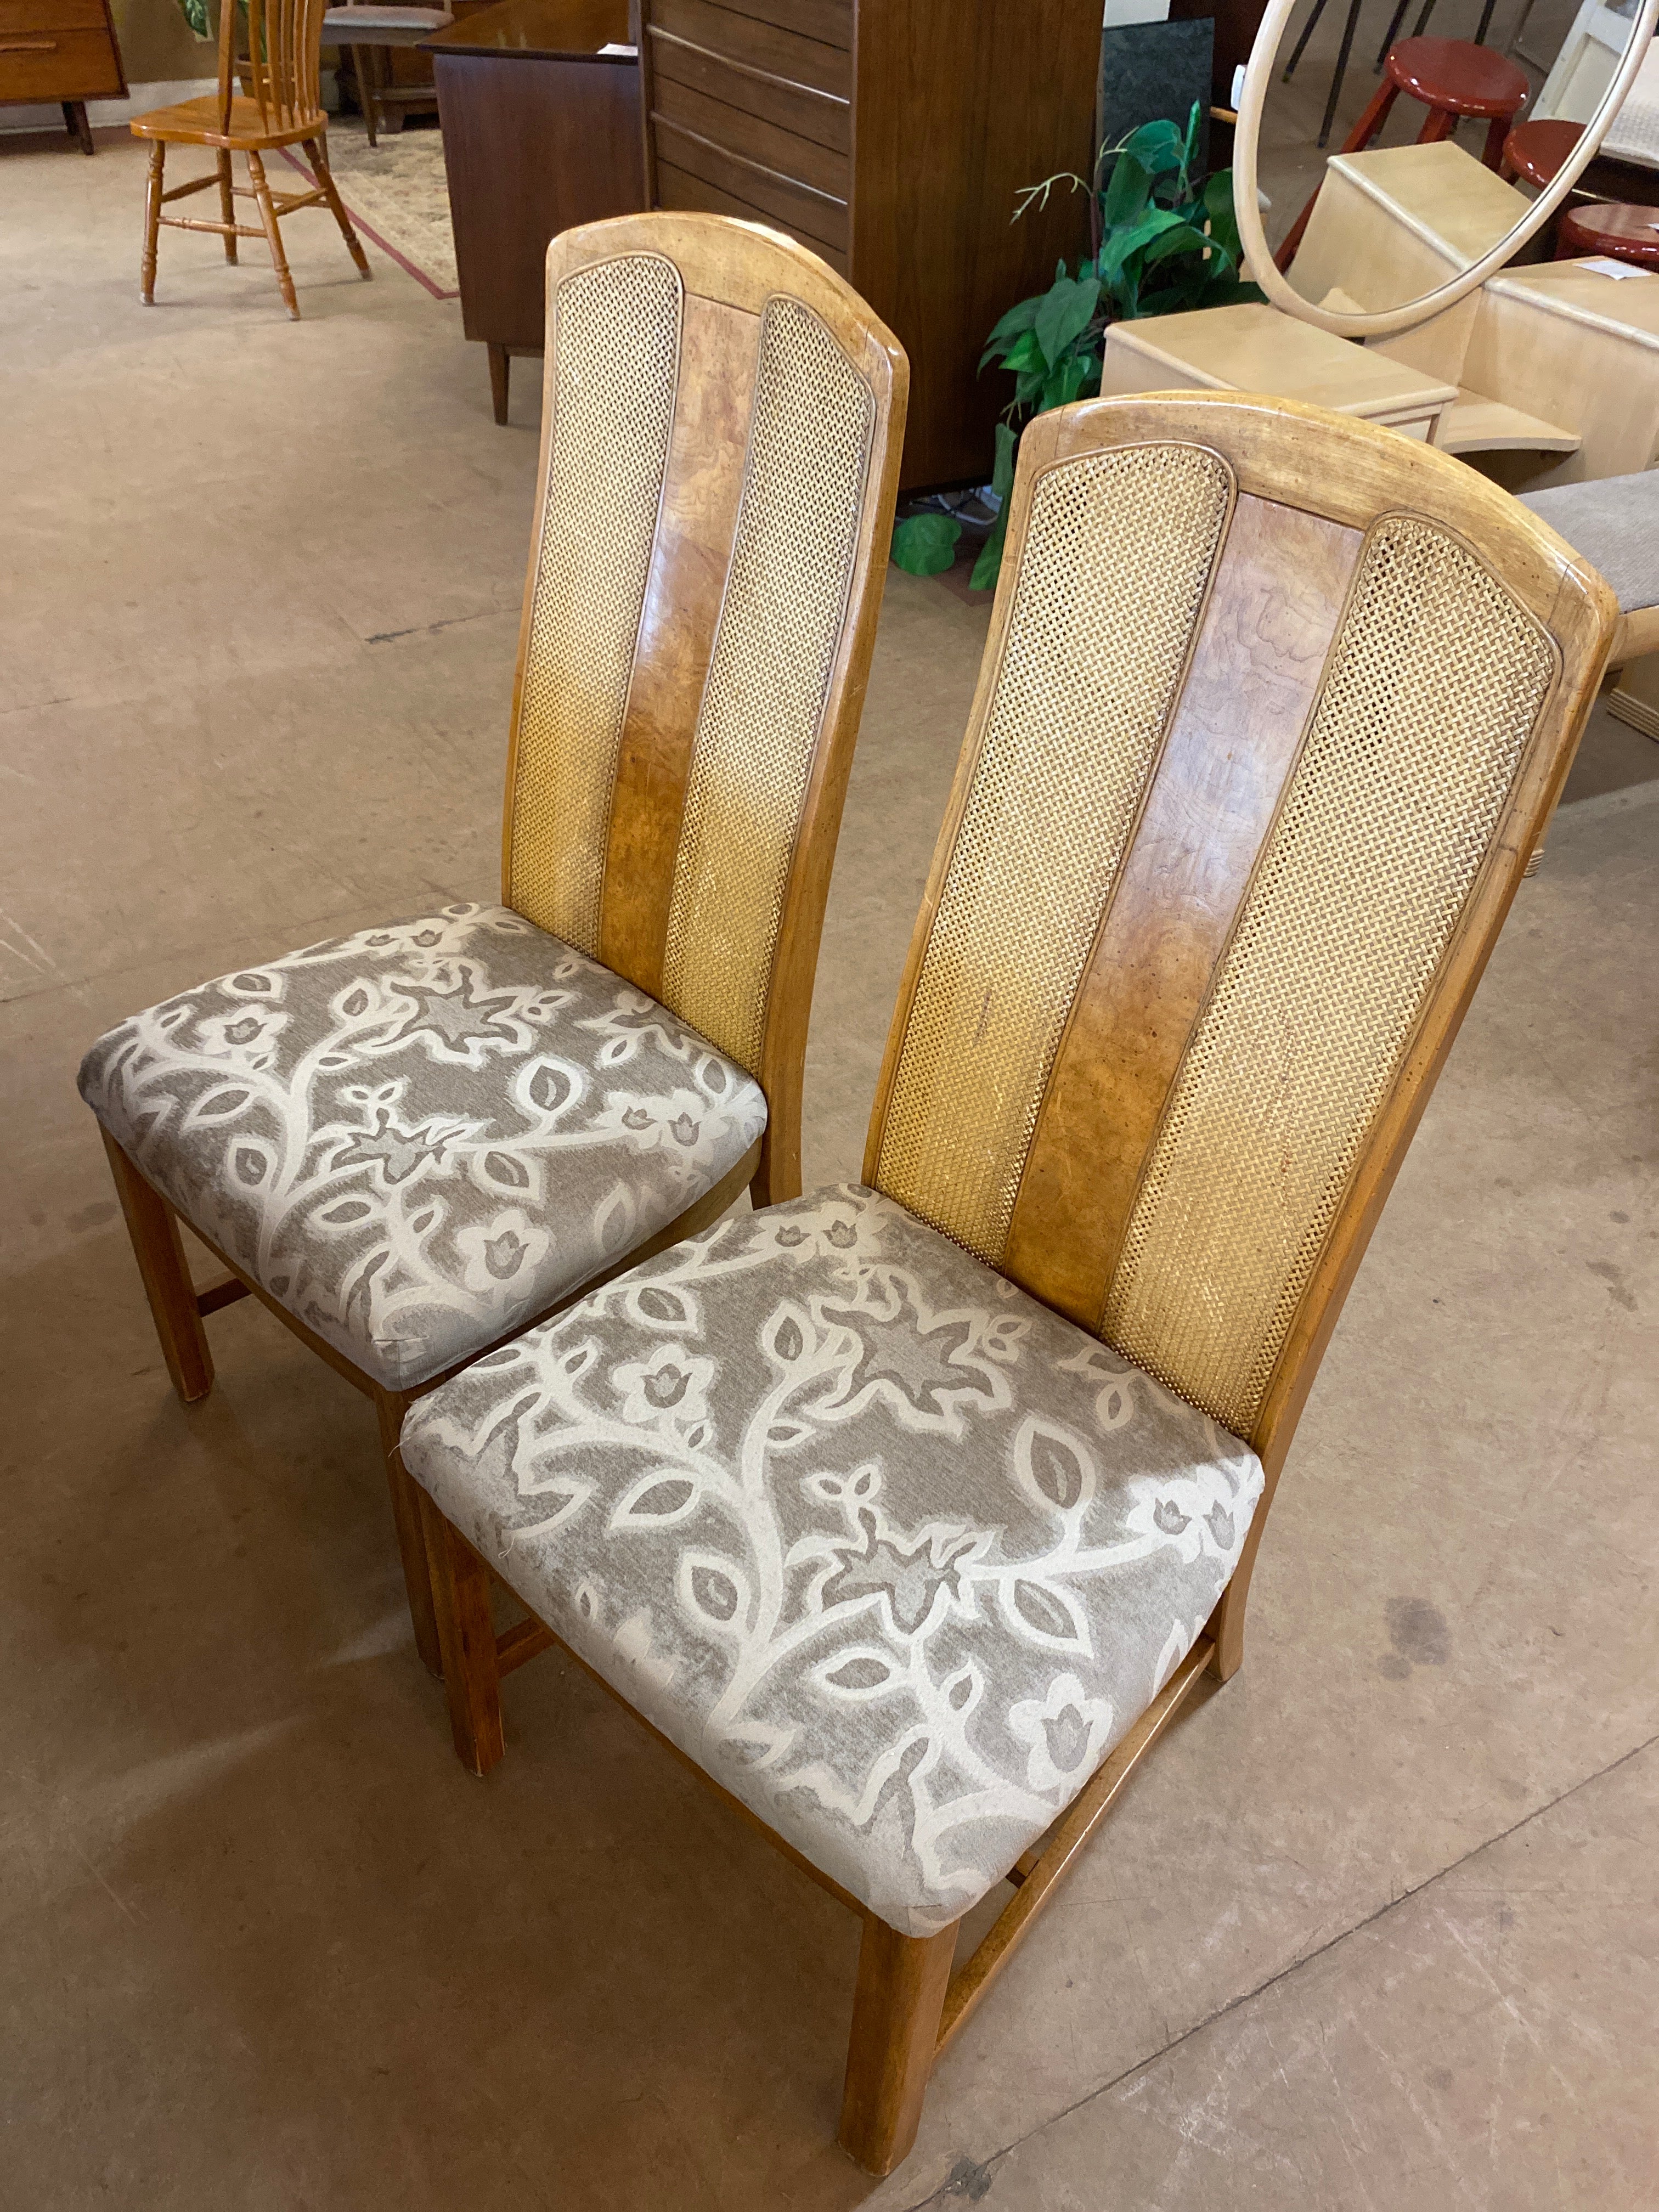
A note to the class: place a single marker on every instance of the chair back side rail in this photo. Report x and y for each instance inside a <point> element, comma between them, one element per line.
<point>691,852</point>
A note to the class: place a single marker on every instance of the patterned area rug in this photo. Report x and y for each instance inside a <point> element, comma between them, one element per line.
<point>397,195</point>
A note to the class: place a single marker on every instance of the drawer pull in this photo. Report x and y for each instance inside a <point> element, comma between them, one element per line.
<point>28,45</point>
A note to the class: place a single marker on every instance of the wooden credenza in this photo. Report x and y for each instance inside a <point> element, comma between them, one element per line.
<point>893,137</point>
<point>61,50</point>
<point>541,130</point>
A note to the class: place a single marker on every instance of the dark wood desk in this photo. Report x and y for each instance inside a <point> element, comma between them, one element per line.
<point>541,130</point>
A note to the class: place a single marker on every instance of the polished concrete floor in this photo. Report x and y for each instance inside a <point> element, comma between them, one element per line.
<point>1378,1928</point>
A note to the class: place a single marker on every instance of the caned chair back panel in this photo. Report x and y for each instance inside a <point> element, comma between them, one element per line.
<point>1274,708</point>
<point>721,431</point>
<point>272,60</point>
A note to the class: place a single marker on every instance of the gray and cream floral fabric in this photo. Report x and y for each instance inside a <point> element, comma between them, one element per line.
<point>893,1552</point>
<point>421,1136</point>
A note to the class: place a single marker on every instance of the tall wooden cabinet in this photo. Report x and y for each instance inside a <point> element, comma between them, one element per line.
<point>893,137</point>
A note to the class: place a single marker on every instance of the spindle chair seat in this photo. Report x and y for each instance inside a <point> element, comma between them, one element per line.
<point>910,1513</point>
<point>412,1142</point>
<point>281,106</point>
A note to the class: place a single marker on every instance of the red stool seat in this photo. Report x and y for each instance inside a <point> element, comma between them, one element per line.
<point>1453,78</point>
<point>1458,78</point>
<point>1537,150</point>
<point>1628,234</point>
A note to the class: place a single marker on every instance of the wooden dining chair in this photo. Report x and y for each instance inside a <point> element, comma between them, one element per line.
<point>275,62</point>
<point>414,1141</point>
<point>910,1512</point>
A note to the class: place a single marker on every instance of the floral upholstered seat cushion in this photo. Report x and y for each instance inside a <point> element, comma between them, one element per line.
<point>421,1136</point>
<point>893,1552</point>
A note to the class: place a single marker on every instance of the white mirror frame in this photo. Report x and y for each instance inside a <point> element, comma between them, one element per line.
<point>1247,211</point>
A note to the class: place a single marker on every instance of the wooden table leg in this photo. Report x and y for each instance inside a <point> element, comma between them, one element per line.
<point>501,368</point>
<point>74,115</point>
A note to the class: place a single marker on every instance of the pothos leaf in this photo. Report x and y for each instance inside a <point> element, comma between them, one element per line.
<point>1181,238</point>
<point>1157,146</point>
<point>1127,193</point>
<point>1064,382</point>
<point>988,566</point>
<point>1065,314</point>
<point>1019,317</point>
<point>926,544</point>
<point>1026,352</point>
<point>1002,475</point>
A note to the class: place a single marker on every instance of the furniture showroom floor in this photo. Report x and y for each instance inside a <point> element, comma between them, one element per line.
<point>1379,1925</point>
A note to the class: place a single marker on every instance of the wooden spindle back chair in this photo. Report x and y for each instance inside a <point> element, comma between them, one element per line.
<point>267,97</point>
<point>1274,708</point>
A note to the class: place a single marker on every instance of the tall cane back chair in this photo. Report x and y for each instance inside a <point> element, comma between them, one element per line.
<point>277,105</point>
<point>910,1512</point>
<point>414,1141</point>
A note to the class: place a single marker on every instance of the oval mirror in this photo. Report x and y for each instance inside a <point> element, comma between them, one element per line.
<point>1378,171</point>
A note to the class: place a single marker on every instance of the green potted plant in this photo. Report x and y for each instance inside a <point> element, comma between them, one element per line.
<point>1162,239</point>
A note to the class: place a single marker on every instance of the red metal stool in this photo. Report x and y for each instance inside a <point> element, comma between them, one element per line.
<point>1628,234</point>
<point>1454,79</point>
<point>1534,151</point>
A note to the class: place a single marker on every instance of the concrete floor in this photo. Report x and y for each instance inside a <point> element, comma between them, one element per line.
<point>1379,1927</point>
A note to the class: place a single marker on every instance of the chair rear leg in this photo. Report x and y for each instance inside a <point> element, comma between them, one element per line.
<point>267,216</point>
<point>466,1638</point>
<point>158,154</point>
<point>895,2019</point>
<point>226,202</point>
<point>1225,1625</point>
<point>153,1228</point>
<point>390,1407</point>
<point>318,150</point>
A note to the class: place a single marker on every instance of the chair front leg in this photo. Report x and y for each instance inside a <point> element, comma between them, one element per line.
<point>466,1638</point>
<point>153,1228</point>
<point>158,154</point>
<point>896,2019</point>
<point>390,1407</point>
<point>274,237</point>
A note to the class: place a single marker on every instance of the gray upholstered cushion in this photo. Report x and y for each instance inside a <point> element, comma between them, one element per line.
<point>1615,524</point>
<point>895,1552</point>
<point>421,1137</point>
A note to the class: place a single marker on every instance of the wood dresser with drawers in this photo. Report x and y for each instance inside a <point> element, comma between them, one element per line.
<point>61,50</point>
<point>893,137</point>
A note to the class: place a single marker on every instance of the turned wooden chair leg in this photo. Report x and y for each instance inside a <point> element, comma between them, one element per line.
<point>390,1407</point>
<point>158,154</point>
<point>153,1228</point>
<point>226,201</point>
<point>466,1638</point>
<point>267,216</point>
<point>317,148</point>
<point>895,2019</point>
